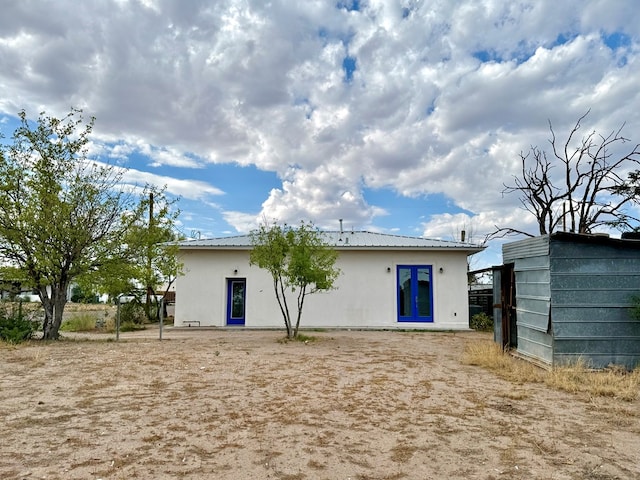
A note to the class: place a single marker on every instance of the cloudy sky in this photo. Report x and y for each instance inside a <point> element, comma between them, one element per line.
<point>398,116</point>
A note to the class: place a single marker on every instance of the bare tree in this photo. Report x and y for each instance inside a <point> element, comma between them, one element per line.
<point>595,183</point>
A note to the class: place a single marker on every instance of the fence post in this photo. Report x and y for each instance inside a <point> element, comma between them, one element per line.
<point>161,316</point>
<point>118,319</point>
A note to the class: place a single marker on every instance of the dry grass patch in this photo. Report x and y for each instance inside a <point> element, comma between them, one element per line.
<point>402,453</point>
<point>79,323</point>
<point>610,382</point>
<point>491,356</point>
<point>576,378</point>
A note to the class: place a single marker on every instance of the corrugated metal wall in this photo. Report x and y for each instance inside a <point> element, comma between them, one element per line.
<point>533,294</point>
<point>530,258</point>
<point>591,286</point>
<point>529,247</point>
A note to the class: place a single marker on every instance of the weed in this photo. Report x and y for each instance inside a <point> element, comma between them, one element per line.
<point>79,323</point>
<point>129,326</point>
<point>481,322</point>
<point>299,338</point>
<point>15,325</point>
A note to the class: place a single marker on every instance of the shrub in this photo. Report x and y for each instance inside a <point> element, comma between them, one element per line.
<point>79,323</point>
<point>132,312</point>
<point>129,326</point>
<point>15,327</point>
<point>78,295</point>
<point>481,322</point>
<point>109,325</point>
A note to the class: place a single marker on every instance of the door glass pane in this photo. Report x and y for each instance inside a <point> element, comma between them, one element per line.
<point>424,293</point>
<point>237,300</point>
<point>404,294</point>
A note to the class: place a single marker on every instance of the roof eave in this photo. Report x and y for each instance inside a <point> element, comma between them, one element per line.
<point>344,248</point>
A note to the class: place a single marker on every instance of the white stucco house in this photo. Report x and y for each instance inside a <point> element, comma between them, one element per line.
<point>386,282</point>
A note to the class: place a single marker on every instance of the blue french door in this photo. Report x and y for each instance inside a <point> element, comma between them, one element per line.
<point>415,293</point>
<point>236,295</point>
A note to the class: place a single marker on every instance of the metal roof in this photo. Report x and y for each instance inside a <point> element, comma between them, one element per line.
<point>346,240</point>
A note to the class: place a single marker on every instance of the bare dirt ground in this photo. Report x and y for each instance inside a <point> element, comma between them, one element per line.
<point>228,404</point>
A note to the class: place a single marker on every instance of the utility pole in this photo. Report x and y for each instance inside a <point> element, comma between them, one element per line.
<point>149,246</point>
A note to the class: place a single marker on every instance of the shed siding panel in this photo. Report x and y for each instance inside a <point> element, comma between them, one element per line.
<point>529,247</point>
<point>535,344</point>
<point>604,266</point>
<point>597,329</point>
<point>603,297</point>
<point>591,286</point>
<point>533,303</point>
<point>594,281</point>
<point>598,360</point>
<point>585,313</point>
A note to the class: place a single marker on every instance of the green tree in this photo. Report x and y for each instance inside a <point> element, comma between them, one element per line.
<point>151,251</point>
<point>152,243</point>
<point>157,249</point>
<point>61,213</point>
<point>300,262</point>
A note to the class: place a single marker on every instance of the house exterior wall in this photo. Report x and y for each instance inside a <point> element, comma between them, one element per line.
<point>366,295</point>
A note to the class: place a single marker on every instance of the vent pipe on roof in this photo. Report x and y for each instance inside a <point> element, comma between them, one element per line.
<point>340,226</point>
<point>463,235</point>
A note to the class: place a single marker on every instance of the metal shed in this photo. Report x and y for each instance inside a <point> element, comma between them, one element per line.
<point>561,297</point>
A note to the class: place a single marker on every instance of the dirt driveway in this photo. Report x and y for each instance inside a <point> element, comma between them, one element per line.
<point>220,404</point>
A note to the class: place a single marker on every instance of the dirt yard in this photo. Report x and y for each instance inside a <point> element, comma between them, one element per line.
<point>221,404</point>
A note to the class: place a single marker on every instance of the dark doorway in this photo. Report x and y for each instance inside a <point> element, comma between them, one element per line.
<point>508,303</point>
<point>236,296</point>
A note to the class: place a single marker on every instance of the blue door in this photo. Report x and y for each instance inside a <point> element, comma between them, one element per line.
<point>236,294</point>
<point>415,293</point>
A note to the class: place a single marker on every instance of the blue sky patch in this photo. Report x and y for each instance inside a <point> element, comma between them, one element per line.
<point>563,39</point>
<point>486,56</point>
<point>349,5</point>
<point>349,66</point>
<point>407,214</point>
<point>616,40</point>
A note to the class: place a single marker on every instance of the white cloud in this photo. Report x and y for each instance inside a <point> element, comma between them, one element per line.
<point>243,222</point>
<point>323,196</point>
<point>192,83</point>
<point>189,189</point>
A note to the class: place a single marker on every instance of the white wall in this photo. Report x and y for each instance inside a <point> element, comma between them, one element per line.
<point>365,295</point>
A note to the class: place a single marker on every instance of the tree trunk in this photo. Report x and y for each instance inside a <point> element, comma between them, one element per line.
<point>47,323</point>
<point>282,303</point>
<point>53,311</point>
<point>301,295</point>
